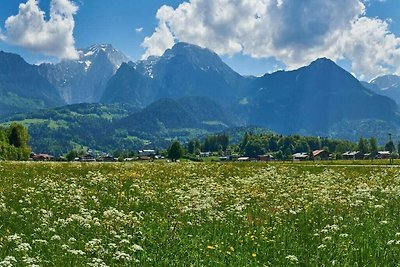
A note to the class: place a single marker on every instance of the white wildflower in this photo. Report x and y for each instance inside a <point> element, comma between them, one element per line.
<point>97,263</point>
<point>136,247</point>
<point>55,238</point>
<point>23,247</point>
<point>122,256</point>
<point>292,258</point>
<point>8,261</point>
<point>76,252</point>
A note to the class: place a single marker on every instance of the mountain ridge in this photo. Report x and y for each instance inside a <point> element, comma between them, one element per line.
<point>84,80</point>
<point>22,88</point>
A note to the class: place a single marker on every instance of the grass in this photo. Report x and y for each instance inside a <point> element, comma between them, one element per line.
<point>198,214</point>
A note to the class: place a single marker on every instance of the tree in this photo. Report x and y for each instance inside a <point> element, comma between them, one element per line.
<point>175,151</point>
<point>363,146</point>
<point>390,146</point>
<point>273,143</point>
<point>71,155</point>
<point>244,140</point>
<point>191,147</point>
<point>253,148</point>
<point>398,147</point>
<point>18,135</point>
<point>3,138</point>
<point>373,144</point>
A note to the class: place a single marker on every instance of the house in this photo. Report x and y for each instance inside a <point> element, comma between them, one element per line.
<point>42,157</point>
<point>383,155</point>
<point>145,158</point>
<point>300,156</point>
<point>87,158</point>
<point>321,155</point>
<point>224,158</point>
<point>243,159</point>
<point>108,158</point>
<point>353,155</point>
<point>147,153</point>
<point>265,158</point>
<point>205,154</point>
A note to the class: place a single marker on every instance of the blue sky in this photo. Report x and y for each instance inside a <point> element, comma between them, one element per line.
<point>247,50</point>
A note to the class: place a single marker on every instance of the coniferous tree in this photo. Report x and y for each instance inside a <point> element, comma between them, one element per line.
<point>175,151</point>
<point>18,135</point>
<point>191,147</point>
<point>390,147</point>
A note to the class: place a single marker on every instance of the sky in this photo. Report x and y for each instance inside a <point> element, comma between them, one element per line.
<point>252,36</point>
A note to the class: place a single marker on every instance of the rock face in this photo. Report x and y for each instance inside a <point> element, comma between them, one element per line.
<point>84,80</point>
<point>22,88</point>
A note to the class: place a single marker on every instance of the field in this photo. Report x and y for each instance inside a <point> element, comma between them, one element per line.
<point>198,214</point>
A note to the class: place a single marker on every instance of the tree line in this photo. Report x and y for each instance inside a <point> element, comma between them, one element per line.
<point>279,146</point>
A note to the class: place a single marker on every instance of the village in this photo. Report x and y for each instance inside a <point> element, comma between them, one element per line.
<point>152,155</point>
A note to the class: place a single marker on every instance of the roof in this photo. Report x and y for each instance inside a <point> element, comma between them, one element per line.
<point>42,156</point>
<point>316,153</point>
<point>300,155</point>
<point>147,151</point>
<point>351,153</point>
<point>384,153</point>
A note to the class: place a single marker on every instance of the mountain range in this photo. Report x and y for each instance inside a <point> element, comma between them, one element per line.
<point>185,93</point>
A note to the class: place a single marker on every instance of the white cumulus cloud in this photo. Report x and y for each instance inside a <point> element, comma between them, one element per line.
<point>294,32</point>
<point>30,30</point>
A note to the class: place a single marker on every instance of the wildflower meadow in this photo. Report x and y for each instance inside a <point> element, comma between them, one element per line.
<point>198,214</point>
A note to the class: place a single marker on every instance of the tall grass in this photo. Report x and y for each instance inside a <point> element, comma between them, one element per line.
<point>198,214</point>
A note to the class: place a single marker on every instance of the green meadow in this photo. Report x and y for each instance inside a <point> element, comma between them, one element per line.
<point>198,214</point>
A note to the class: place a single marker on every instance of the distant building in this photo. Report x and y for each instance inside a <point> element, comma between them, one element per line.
<point>205,154</point>
<point>87,158</point>
<point>300,156</point>
<point>265,158</point>
<point>147,153</point>
<point>242,159</point>
<point>353,155</point>
<point>42,157</point>
<point>383,155</point>
<point>108,158</point>
<point>321,155</point>
<point>145,158</point>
